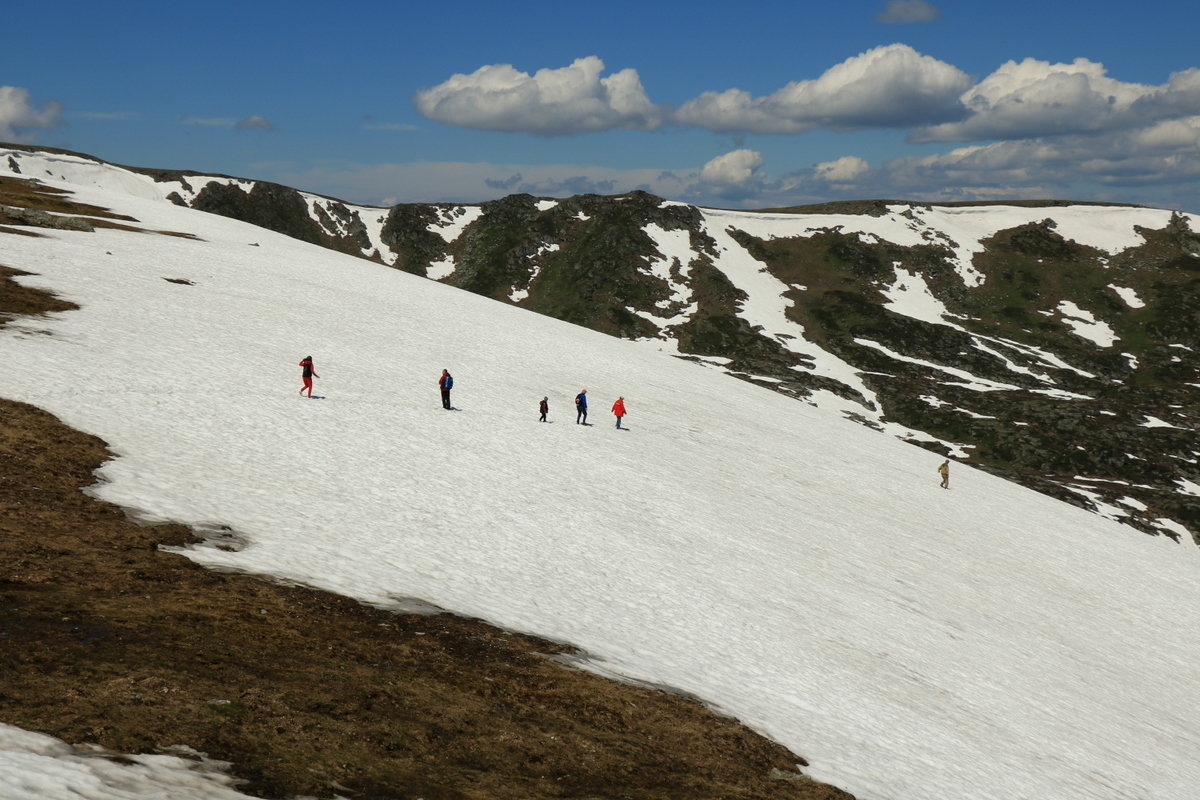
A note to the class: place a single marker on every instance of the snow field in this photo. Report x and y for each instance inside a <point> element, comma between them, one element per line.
<point>794,569</point>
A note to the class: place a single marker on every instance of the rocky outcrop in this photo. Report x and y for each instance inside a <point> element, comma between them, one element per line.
<point>13,215</point>
<point>283,210</point>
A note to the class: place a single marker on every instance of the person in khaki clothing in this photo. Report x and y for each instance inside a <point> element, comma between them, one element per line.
<point>944,471</point>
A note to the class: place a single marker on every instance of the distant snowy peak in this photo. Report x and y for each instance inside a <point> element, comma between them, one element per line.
<point>1031,338</point>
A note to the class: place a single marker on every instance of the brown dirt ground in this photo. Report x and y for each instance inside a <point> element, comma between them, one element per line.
<point>106,639</point>
<point>31,193</point>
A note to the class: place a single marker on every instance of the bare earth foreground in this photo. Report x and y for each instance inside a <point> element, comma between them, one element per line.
<point>106,639</point>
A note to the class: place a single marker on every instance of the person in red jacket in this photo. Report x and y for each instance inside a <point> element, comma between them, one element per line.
<point>444,383</point>
<point>619,409</point>
<point>544,407</point>
<point>307,375</point>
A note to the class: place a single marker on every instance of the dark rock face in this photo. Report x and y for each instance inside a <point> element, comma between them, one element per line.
<point>267,205</point>
<point>407,233</point>
<point>579,261</point>
<point>283,210</point>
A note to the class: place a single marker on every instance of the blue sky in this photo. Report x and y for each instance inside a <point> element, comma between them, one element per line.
<point>756,104</point>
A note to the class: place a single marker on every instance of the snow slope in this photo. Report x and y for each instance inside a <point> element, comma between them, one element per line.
<point>37,767</point>
<point>796,570</point>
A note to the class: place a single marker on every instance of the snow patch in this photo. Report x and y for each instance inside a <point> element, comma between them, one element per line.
<point>1085,325</point>
<point>909,295</point>
<point>38,767</point>
<point>441,269</point>
<point>1188,487</point>
<point>972,382</point>
<point>454,220</point>
<point>1129,296</point>
<point>1133,503</point>
<point>1171,526</point>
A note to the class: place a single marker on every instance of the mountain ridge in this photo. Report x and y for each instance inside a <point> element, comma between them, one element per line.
<point>1049,342</point>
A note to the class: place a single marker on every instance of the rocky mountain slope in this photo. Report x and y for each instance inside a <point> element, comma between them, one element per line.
<point>1055,344</point>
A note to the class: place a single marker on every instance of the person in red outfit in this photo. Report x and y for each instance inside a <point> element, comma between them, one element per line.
<point>444,383</point>
<point>307,375</point>
<point>619,409</point>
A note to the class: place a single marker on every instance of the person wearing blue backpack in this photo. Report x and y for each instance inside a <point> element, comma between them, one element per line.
<point>444,383</point>
<point>581,407</point>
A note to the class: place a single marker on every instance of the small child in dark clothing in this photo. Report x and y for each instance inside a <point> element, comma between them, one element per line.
<point>544,407</point>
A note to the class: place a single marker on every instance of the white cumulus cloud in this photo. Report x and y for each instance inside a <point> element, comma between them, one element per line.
<point>733,168</point>
<point>732,177</point>
<point>18,115</point>
<point>889,87</point>
<point>570,100</point>
<point>1037,98</point>
<point>842,170</point>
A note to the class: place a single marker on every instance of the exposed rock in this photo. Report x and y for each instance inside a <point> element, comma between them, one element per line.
<point>42,219</point>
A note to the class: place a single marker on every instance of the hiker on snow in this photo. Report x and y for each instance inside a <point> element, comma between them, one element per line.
<point>307,375</point>
<point>581,407</point>
<point>619,409</point>
<point>444,383</point>
<point>944,471</point>
<point>544,407</point>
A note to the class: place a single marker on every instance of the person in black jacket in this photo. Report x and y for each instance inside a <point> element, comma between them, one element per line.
<point>544,407</point>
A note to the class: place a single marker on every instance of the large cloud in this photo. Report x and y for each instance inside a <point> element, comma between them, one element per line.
<point>18,115</point>
<point>888,87</point>
<point>569,100</point>
<point>1035,98</point>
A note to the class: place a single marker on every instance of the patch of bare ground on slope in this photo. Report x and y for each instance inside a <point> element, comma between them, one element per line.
<point>29,202</point>
<point>106,639</point>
